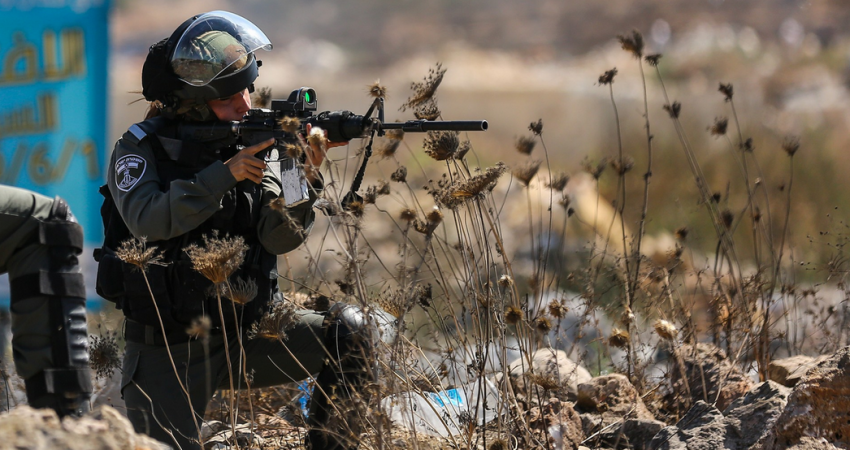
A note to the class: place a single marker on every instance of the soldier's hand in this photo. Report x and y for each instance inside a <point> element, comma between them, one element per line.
<point>245,166</point>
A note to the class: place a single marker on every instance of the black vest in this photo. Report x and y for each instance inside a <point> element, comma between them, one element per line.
<point>181,293</point>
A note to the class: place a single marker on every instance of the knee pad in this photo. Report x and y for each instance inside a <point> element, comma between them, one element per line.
<point>62,283</point>
<point>350,322</point>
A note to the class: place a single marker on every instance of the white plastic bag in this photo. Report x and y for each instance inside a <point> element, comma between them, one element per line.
<point>448,412</point>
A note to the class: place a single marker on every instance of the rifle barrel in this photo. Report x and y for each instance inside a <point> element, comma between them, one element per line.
<point>414,126</point>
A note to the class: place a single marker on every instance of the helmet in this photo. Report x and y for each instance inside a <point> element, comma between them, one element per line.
<point>209,56</point>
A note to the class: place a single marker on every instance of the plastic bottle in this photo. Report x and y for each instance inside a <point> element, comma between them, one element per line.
<point>447,412</point>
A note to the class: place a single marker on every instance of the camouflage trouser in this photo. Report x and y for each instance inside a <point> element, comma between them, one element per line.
<point>20,214</point>
<point>156,403</point>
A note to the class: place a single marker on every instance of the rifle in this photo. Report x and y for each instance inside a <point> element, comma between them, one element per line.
<point>259,125</point>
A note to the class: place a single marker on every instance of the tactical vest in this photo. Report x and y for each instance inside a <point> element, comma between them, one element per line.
<point>182,294</point>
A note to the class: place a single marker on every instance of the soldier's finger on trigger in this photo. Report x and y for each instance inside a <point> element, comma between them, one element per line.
<point>257,147</point>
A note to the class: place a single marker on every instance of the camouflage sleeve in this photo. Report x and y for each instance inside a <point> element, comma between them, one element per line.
<point>156,212</point>
<point>283,229</point>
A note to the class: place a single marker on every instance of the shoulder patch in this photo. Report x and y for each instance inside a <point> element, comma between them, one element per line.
<point>129,170</point>
<point>138,132</point>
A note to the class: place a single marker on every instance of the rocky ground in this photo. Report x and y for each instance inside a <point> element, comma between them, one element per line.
<point>706,403</point>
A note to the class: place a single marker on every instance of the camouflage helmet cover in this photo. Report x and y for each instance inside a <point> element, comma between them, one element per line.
<point>216,44</point>
<point>209,56</point>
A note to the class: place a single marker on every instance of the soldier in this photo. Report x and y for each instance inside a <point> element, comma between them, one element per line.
<point>175,191</point>
<point>39,243</point>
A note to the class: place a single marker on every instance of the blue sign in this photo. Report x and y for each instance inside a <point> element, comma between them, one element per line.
<point>53,97</point>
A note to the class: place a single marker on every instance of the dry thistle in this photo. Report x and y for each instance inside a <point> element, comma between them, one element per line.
<point>719,127</point>
<point>534,282</point>
<point>525,144</point>
<point>200,327</point>
<point>791,144</point>
<point>462,150</point>
<point>565,201</point>
<point>377,90</point>
<point>393,303</point>
<point>526,172</point>
<point>727,91</point>
<point>134,251</point>
<point>104,354</point>
<point>666,330</point>
<point>423,295</point>
<point>653,59</point>
<point>408,215</point>
<point>756,214</point>
<point>546,381</point>
<point>394,134</point>
<point>218,258</point>
<point>536,127</point>
<point>441,145</point>
<point>505,281</point>
<point>619,338</point>
<point>289,124</point>
<point>427,111</point>
<point>622,165</point>
<point>318,303</point>
<point>748,145</point>
<point>383,187</point>
<point>373,192</point>
<point>279,205</point>
<point>356,208</point>
<point>558,182</point>
<point>261,97</point>
<point>273,325</point>
<point>317,139</point>
<point>370,196</point>
<point>400,175</point>
<point>632,44</point>
<point>388,148</point>
<point>607,77</point>
<point>435,216</point>
<point>241,292</point>
<point>425,90</point>
<point>557,309</point>
<point>727,216</point>
<point>716,197</point>
<point>682,233</point>
<point>543,324</point>
<point>454,195</point>
<point>597,170</point>
<point>513,315</point>
<point>293,151</point>
<point>674,110</point>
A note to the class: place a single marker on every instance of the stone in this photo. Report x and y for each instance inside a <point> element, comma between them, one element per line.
<point>751,415</point>
<point>245,436</point>
<point>25,428</point>
<point>564,425</point>
<point>702,428</point>
<point>555,422</point>
<point>789,371</point>
<point>549,363</point>
<point>631,434</point>
<point>818,406</point>
<point>707,370</point>
<point>808,443</point>
<point>611,396</point>
<point>740,427</point>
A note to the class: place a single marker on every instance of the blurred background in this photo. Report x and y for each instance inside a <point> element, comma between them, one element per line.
<point>515,62</point>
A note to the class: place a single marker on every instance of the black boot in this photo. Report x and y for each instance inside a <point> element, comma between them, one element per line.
<point>334,422</point>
